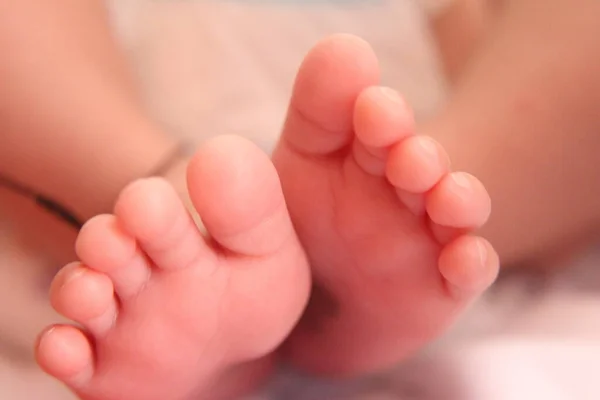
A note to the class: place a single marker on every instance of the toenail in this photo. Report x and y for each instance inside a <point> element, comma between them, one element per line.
<point>46,333</point>
<point>57,341</point>
<point>482,251</point>
<point>391,95</point>
<point>462,180</point>
<point>75,274</point>
<point>428,147</point>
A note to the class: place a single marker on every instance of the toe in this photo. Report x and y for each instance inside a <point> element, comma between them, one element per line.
<point>85,296</point>
<point>469,265</point>
<point>416,164</point>
<point>371,159</point>
<point>152,212</point>
<point>381,119</point>
<point>236,190</point>
<point>457,204</point>
<point>103,245</point>
<point>65,353</point>
<point>333,74</point>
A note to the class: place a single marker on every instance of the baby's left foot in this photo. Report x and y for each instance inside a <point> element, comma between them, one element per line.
<point>384,221</point>
<point>169,314</point>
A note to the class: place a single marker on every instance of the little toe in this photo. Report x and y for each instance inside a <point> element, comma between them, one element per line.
<point>65,353</point>
<point>457,204</point>
<point>85,296</point>
<point>106,247</point>
<point>333,74</point>
<point>236,191</point>
<point>469,265</point>
<point>152,212</point>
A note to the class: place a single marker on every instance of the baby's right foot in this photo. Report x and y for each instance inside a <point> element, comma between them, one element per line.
<point>167,313</point>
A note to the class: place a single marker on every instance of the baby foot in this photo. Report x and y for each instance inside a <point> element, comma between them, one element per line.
<point>168,313</point>
<point>384,222</point>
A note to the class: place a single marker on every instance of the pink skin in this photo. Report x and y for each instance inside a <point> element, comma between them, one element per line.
<point>167,313</point>
<point>385,223</point>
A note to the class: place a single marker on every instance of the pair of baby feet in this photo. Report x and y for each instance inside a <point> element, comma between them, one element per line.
<point>367,207</point>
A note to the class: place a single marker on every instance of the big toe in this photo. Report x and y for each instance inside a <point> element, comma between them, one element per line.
<point>333,74</point>
<point>237,193</point>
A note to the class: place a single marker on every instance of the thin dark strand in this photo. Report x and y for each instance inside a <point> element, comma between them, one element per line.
<point>16,187</point>
<point>62,212</point>
<point>53,207</point>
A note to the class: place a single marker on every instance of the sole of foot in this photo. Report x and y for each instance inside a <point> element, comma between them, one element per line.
<point>165,312</point>
<point>387,226</point>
